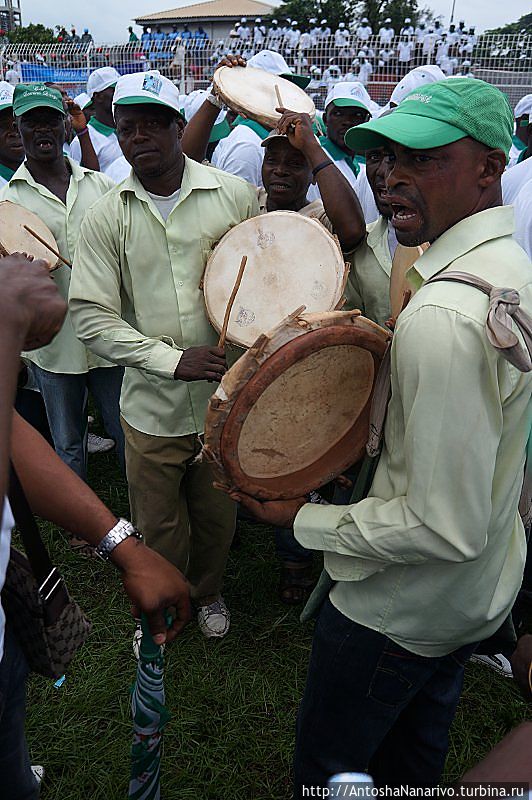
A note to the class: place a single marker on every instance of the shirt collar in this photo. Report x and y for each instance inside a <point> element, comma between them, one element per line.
<point>337,154</point>
<point>195,176</point>
<point>467,234</point>
<point>101,127</point>
<point>23,174</point>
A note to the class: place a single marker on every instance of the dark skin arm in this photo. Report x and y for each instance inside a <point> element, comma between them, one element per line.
<point>56,493</point>
<point>197,132</point>
<point>89,159</point>
<point>338,196</point>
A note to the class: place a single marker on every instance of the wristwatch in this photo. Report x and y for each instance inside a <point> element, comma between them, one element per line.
<point>121,531</point>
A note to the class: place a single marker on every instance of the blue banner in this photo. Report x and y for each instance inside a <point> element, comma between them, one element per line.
<point>39,73</point>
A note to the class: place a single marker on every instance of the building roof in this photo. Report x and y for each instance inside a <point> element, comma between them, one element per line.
<point>212,9</point>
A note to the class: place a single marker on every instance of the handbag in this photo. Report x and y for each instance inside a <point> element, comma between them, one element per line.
<point>48,625</point>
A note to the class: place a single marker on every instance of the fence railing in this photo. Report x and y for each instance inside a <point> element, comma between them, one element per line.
<point>505,61</point>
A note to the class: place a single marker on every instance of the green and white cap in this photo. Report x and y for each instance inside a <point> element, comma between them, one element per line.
<point>28,96</point>
<point>348,94</point>
<point>150,87</point>
<point>441,113</point>
<point>6,95</point>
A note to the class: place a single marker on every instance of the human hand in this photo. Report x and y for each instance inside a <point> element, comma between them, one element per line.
<point>77,117</point>
<point>281,513</point>
<point>154,585</point>
<point>298,127</point>
<point>204,363</point>
<point>29,301</point>
<point>231,61</point>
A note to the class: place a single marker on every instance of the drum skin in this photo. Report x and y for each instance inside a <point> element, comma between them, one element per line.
<point>292,261</point>
<point>251,93</point>
<point>15,239</point>
<point>293,412</point>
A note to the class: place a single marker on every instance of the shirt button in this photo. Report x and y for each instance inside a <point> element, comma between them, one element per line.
<point>180,283</point>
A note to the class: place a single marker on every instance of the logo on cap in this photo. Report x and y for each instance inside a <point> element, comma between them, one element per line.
<point>5,96</point>
<point>152,84</point>
<point>421,98</point>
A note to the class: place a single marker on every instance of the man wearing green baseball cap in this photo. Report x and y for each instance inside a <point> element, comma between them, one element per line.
<point>59,191</point>
<point>430,562</point>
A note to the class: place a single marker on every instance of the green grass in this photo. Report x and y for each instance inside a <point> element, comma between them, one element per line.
<point>233,702</point>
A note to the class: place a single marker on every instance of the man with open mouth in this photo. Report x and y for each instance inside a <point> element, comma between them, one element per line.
<point>431,561</point>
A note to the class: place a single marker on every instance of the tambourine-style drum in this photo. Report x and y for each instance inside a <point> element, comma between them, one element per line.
<point>15,238</point>
<point>293,412</point>
<point>292,261</point>
<point>251,92</point>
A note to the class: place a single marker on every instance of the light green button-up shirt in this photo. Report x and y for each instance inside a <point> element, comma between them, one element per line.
<point>65,353</point>
<point>368,284</point>
<point>135,294</point>
<point>433,558</point>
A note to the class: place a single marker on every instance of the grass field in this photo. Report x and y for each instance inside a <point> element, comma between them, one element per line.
<point>233,701</point>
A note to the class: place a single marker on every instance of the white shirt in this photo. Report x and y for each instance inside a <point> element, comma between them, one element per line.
<point>8,523</point>
<point>306,41</point>
<point>241,154</point>
<point>119,170</point>
<point>386,35</point>
<point>165,203</point>
<point>365,71</point>
<point>106,148</point>
<point>13,77</point>
<point>364,32</point>
<point>244,33</point>
<point>341,37</point>
<point>523,217</point>
<point>514,179</point>
<point>365,197</point>
<point>429,41</point>
<point>405,51</point>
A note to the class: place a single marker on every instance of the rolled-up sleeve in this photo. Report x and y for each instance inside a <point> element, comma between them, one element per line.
<point>451,413</point>
<point>95,305</point>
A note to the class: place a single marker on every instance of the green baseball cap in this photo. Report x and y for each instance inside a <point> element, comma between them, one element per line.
<point>28,96</point>
<point>440,113</point>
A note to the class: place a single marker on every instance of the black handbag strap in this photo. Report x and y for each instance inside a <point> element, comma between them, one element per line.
<point>43,570</point>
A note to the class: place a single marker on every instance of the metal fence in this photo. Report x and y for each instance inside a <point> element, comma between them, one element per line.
<point>505,61</point>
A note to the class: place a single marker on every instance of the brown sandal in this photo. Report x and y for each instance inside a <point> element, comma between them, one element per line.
<point>81,547</point>
<point>295,583</point>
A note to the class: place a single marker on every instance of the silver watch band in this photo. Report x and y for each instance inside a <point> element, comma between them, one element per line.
<point>121,531</point>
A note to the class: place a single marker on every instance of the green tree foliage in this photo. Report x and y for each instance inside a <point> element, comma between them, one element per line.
<point>349,11</point>
<point>523,23</point>
<point>36,34</point>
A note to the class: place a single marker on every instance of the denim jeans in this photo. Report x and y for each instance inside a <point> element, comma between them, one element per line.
<point>370,705</point>
<point>16,779</point>
<point>287,548</point>
<point>65,397</point>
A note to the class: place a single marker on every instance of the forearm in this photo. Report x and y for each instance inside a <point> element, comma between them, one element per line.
<point>197,132</point>
<point>339,200</point>
<point>55,493</point>
<point>89,159</point>
<point>11,343</point>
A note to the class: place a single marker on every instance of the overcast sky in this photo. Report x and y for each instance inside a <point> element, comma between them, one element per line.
<point>108,19</point>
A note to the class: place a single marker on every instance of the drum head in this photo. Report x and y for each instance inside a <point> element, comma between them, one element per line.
<point>251,92</point>
<point>292,261</point>
<point>302,418</point>
<point>14,238</point>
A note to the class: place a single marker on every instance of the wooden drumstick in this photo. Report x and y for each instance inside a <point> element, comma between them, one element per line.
<point>48,246</point>
<point>236,287</point>
<point>278,93</point>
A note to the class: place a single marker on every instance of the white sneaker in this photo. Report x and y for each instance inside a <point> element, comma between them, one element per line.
<point>97,444</point>
<point>214,620</point>
<point>498,663</point>
<point>38,773</point>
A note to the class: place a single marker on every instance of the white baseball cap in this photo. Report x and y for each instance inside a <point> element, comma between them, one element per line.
<point>419,76</point>
<point>312,20</point>
<point>192,104</point>
<point>364,19</point>
<point>82,100</point>
<point>243,19</point>
<point>407,19</point>
<point>387,20</point>
<point>523,107</point>
<point>347,94</point>
<point>294,22</point>
<point>341,24</point>
<point>147,88</point>
<point>323,22</point>
<point>273,62</point>
<point>258,19</point>
<point>6,95</point>
<point>101,79</point>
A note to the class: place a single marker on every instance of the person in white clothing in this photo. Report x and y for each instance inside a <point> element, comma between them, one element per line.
<point>325,31</point>
<point>429,43</point>
<point>259,32</point>
<point>523,217</point>
<point>453,36</point>
<point>522,114</point>
<point>514,180</point>
<point>407,29</point>
<point>364,30</point>
<point>405,51</point>
<point>386,33</point>
<point>101,126</point>
<point>442,49</point>
<point>365,71</point>
<point>341,35</point>
<point>244,30</point>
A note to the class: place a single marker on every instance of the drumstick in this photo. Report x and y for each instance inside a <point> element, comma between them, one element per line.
<point>278,93</point>
<point>236,287</point>
<point>48,246</point>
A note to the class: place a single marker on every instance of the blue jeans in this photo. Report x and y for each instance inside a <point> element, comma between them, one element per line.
<point>370,705</point>
<point>16,779</point>
<point>287,548</point>
<point>65,398</point>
